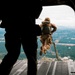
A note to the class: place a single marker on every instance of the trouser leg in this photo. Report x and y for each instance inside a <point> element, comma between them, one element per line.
<point>12,45</point>
<point>30,49</point>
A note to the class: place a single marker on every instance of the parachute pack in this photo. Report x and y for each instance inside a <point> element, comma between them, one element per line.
<point>45,28</point>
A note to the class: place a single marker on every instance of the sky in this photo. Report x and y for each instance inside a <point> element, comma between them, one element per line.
<point>60,15</point>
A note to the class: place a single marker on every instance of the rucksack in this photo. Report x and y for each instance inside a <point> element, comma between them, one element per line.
<point>46,29</point>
